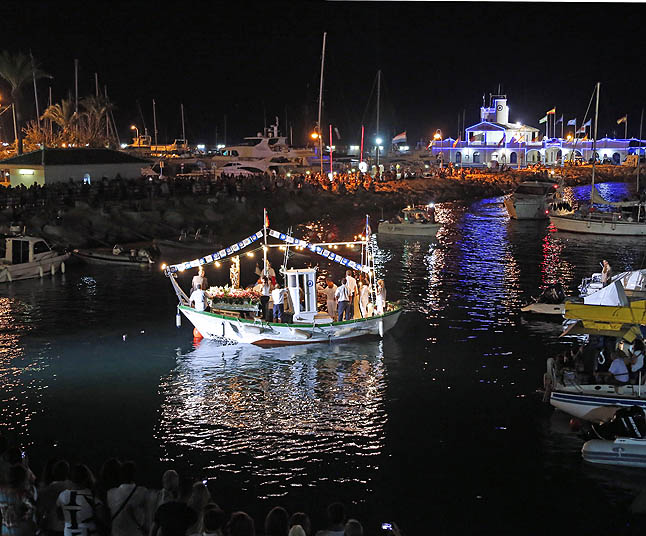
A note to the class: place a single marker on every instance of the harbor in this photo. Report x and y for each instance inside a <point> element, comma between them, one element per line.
<point>317,271</point>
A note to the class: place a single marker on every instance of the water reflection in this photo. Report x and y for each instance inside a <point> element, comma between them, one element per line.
<point>274,416</point>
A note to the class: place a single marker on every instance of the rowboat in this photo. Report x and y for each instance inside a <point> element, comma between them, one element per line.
<point>308,325</point>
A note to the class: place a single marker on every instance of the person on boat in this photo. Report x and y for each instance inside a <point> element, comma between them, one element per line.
<point>637,361</point>
<point>199,279</point>
<point>364,296</point>
<point>265,293</point>
<point>329,292</point>
<point>353,293</point>
<point>198,299</point>
<point>618,372</point>
<point>278,297</point>
<point>381,297</point>
<point>342,296</point>
<point>606,273</point>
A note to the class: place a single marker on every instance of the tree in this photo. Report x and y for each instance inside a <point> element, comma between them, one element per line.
<point>17,70</point>
<point>64,116</point>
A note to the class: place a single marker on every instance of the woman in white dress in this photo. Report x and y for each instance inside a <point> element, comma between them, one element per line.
<point>364,297</point>
<point>381,297</point>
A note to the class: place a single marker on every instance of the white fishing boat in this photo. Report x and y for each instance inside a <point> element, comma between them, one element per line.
<point>416,220</point>
<point>625,218</point>
<point>239,322</point>
<point>135,256</point>
<point>530,200</point>
<point>27,257</point>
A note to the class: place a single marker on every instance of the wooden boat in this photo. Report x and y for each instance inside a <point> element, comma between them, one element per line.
<point>308,324</point>
<point>28,257</point>
<point>116,256</point>
<point>411,221</point>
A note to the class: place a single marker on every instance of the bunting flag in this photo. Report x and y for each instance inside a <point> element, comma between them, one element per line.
<point>455,143</point>
<point>502,141</point>
<point>622,119</point>
<point>329,255</point>
<point>368,229</point>
<point>400,138</point>
<point>560,120</point>
<point>542,120</point>
<point>551,112</point>
<point>571,122</point>
<point>233,249</point>
<point>521,138</point>
<point>587,123</point>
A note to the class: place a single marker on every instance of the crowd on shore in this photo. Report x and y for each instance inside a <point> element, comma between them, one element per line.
<point>70,501</point>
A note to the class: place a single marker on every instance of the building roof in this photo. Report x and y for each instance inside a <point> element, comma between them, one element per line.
<point>74,156</point>
<point>492,125</point>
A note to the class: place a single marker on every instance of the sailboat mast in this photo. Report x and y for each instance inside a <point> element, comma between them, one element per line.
<point>183,130</point>
<point>378,98</point>
<point>155,121</point>
<point>594,139</point>
<point>639,151</point>
<point>318,126</point>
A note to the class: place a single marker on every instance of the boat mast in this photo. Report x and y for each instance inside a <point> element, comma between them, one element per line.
<point>378,110</point>
<point>639,151</point>
<point>155,121</point>
<point>264,249</point>
<point>181,105</point>
<point>318,126</point>
<point>594,140</point>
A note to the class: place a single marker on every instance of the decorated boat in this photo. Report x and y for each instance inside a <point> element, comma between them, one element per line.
<point>241,321</point>
<point>418,220</point>
<point>27,257</point>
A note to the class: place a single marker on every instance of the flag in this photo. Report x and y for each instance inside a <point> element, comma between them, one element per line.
<point>455,143</point>
<point>585,138</point>
<point>571,122</point>
<point>521,138</point>
<point>581,130</point>
<point>622,119</point>
<point>266,219</point>
<point>587,123</point>
<point>400,138</point>
<point>560,120</point>
<point>542,120</point>
<point>551,112</point>
<point>338,136</point>
<point>502,140</point>
<point>368,229</point>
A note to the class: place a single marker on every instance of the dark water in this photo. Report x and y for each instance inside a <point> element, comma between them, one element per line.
<point>437,426</point>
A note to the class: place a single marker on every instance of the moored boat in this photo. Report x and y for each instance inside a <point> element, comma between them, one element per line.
<point>530,200</point>
<point>416,220</point>
<point>116,256</point>
<point>27,257</point>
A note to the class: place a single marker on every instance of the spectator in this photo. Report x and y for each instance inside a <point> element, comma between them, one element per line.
<point>173,518</point>
<point>198,500</point>
<point>83,513</point>
<point>353,528</point>
<point>17,504</point>
<point>127,504</point>
<point>277,522</point>
<point>214,519</point>
<point>240,524</point>
<point>49,522</point>
<point>302,519</point>
<point>335,520</point>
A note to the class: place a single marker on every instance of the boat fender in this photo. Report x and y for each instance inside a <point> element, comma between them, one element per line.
<point>53,268</point>
<point>40,272</point>
<point>178,319</point>
<point>62,267</point>
<point>197,335</point>
<point>301,333</point>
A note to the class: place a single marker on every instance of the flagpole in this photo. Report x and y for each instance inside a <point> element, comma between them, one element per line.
<point>594,140</point>
<point>626,128</point>
<point>264,249</point>
<point>639,151</point>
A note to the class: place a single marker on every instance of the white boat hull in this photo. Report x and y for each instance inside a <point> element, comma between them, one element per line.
<point>626,452</point>
<point>526,208</point>
<point>215,326</point>
<point>31,270</point>
<point>408,229</point>
<point>598,225</point>
<point>597,403</point>
<point>544,309</point>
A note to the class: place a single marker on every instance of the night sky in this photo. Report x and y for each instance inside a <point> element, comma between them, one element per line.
<point>251,61</point>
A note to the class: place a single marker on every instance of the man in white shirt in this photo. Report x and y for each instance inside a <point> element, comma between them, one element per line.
<point>199,279</point>
<point>127,504</point>
<point>351,283</point>
<point>278,297</point>
<point>198,299</point>
<point>343,301</point>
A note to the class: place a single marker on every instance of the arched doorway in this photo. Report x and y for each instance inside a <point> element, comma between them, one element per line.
<point>476,157</point>
<point>513,158</point>
<point>458,157</point>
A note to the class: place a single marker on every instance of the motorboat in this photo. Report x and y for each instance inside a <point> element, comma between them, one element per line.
<point>27,257</point>
<point>633,283</point>
<point>530,200</point>
<point>186,243</point>
<point>118,255</point>
<point>550,302</point>
<point>417,220</point>
<point>238,319</point>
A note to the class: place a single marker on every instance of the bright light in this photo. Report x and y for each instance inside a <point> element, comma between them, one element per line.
<point>220,146</point>
<point>133,127</point>
<point>25,172</point>
<point>217,264</point>
<point>381,147</point>
<point>379,141</point>
<point>201,147</point>
<point>289,174</point>
<point>314,135</point>
<point>437,136</point>
<point>163,266</point>
<point>431,205</point>
<point>404,147</point>
<point>330,176</point>
<point>124,145</point>
<point>250,254</point>
<point>354,147</point>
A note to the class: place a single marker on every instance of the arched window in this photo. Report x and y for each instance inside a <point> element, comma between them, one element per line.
<point>458,157</point>
<point>476,157</point>
<point>513,158</point>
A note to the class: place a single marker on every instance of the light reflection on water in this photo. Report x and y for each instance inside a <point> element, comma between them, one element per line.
<point>274,415</point>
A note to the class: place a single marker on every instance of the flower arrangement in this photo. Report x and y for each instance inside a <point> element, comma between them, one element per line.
<point>233,296</point>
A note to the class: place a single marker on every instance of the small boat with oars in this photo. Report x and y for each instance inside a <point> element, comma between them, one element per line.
<point>235,316</point>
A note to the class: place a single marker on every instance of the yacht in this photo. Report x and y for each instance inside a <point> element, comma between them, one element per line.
<point>27,257</point>
<point>530,200</point>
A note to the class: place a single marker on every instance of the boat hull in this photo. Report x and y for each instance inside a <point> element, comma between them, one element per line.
<point>31,270</point>
<point>121,260</point>
<point>598,226</point>
<point>407,229</point>
<point>526,209</point>
<point>215,326</point>
<point>623,451</point>
<point>597,403</point>
<point>547,309</point>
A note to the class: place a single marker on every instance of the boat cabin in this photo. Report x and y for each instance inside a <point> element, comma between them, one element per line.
<point>24,249</point>
<point>301,285</point>
<point>418,214</point>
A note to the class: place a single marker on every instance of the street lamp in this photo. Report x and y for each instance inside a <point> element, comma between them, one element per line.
<point>379,141</point>
<point>438,136</point>
<point>133,127</point>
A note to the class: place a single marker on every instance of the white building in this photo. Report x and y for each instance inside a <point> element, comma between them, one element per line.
<point>47,166</point>
<point>495,141</point>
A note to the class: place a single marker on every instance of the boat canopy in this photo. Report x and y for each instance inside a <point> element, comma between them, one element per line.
<point>612,295</point>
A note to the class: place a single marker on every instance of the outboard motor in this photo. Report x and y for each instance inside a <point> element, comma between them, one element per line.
<point>627,422</point>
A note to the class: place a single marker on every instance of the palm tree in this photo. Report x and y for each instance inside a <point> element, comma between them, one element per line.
<point>65,117</point>
<point>94,119</point>
<point>17,70</point>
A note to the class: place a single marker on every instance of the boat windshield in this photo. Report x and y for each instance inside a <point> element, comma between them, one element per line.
<point>535,189</point>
